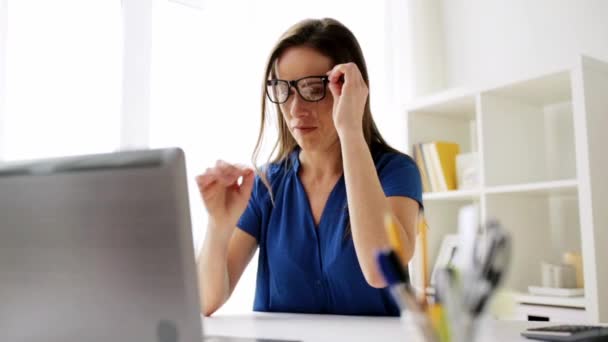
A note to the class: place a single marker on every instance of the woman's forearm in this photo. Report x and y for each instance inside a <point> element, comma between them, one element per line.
<point>367,206</point>
<point>213,277</point>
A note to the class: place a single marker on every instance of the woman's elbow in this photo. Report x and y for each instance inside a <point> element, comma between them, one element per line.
<point>210,304</point>
<point>208,308</point>
<point>377,283</point>
<point>208,311</point>
<point>374,278</point>
<point>373,275</point>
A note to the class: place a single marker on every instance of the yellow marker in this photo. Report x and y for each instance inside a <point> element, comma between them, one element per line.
<point>394,238</point>
<point>438,318</point>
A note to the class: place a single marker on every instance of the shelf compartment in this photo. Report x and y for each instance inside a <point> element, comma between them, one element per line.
<point>454,103</point>
<point>527,141</point>
<point>544,225</point>
<point>442,219</point>
<point>538,91</point>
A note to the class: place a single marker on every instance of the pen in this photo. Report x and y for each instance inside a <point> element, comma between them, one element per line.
<point>391,268</point>
<point>398,280</point>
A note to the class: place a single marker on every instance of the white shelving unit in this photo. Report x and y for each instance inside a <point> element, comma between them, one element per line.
<point>542,166</point>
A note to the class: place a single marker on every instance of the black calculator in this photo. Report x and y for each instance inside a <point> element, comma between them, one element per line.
<point>568,333</point>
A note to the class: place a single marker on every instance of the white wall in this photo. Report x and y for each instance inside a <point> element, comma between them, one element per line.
<point>493,41</point>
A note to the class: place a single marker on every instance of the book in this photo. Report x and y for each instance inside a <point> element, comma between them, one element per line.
<point>444,158</point>
<point>437,163</point>
<point>436,167</point>
<point>432,172</point>
<point>426,186</point>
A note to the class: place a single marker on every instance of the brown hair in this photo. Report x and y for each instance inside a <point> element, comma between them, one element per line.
<point>334,40</point>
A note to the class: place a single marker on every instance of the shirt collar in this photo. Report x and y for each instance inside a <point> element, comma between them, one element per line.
<point>294,158</point>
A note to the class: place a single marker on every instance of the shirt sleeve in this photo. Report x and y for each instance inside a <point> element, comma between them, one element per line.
<point>399,176</point>
<point>251,220</point>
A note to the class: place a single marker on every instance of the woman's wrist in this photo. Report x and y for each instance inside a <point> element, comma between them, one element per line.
<point>351,136</point>
<point>219,231</point>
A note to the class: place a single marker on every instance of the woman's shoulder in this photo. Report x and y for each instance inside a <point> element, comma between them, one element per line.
<point>271,174</point>
<point>398,174</point>
<point>385,156</point>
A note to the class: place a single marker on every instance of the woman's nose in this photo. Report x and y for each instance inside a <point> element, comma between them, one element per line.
<point>299,107</point>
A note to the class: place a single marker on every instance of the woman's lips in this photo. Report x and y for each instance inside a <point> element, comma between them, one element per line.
<point>304,130</point>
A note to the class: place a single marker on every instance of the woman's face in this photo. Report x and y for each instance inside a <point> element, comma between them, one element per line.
<point>310,123</point>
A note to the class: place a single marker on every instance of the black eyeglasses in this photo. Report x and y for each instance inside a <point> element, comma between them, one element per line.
<point>310,88</point>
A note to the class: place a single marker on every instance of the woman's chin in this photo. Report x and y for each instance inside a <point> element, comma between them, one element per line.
<point>306,144</point>
<point>313,142</point>
<point>307,139</point>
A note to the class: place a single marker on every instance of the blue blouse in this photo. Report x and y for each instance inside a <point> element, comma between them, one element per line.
<point>307,269</point>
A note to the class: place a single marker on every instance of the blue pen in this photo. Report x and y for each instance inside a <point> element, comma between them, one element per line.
<point>398,280</point>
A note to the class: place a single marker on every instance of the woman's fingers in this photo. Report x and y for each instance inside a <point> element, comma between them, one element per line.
<point>336,77</point>
<point>230,171</point>
<point>339,77</point>
<point>344,75</point>
<point>223,173</point>
<point>205,179</point>
<point>247,184</point>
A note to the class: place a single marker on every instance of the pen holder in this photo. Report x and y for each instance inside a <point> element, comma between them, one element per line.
<point>462,291</point>
<point>414,328</point>
<point>465,291</point>
<point>461,329</point>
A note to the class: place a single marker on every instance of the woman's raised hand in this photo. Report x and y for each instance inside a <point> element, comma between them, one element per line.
<point>225,189</point>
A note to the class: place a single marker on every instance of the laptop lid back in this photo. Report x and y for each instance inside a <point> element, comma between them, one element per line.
<point>98,248</point>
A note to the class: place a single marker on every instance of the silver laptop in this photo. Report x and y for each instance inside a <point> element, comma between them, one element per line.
<point>98,248</point>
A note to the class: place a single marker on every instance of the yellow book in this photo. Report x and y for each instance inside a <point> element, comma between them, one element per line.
<point>446,153</point>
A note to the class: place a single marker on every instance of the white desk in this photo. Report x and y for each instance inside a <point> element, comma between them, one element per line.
<point>327,328</point>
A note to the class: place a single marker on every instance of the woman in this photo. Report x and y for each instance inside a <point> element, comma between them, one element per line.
<point>317,210</point>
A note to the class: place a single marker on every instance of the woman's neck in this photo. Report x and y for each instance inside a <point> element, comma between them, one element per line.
<point>321,165</point>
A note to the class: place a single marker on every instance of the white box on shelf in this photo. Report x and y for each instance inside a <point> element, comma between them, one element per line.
<point>467,171</point>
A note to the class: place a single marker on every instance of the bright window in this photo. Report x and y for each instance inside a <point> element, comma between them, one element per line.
<point>63,78</point>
